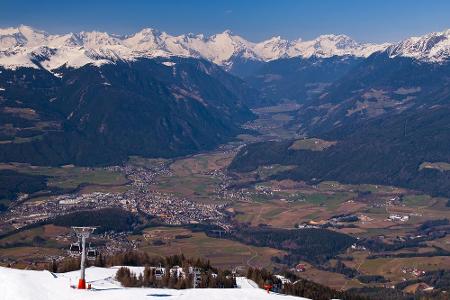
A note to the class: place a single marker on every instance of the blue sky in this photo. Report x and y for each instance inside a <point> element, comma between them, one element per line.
<point>364,20</point>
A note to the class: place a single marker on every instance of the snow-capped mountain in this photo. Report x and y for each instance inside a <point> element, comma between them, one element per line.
<point>432,47</point>
<point>334,45</point>
<point>28,47</point>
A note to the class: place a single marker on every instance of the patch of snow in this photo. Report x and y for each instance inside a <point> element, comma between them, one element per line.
<point>169,63</point>
<point>245,283</point>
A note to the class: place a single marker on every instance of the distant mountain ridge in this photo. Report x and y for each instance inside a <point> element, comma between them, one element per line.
<point>25,46</point>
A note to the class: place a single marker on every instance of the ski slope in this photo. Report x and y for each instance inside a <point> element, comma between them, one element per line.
<point>43,285</point>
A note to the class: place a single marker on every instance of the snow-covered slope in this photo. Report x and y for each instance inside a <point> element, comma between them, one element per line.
<point>43,285</point>
<point>333,45</point>
<point>432,47</point>
<point>27,47</point>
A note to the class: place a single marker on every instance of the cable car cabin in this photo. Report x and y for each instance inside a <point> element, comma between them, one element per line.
<point>159,272</point>
<point>75,249</point>
<point>92,253</point>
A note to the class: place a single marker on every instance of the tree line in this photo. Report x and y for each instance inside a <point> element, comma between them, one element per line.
<point>149,278</point>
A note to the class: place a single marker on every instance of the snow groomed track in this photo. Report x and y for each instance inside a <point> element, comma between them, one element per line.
<point>44,285</point>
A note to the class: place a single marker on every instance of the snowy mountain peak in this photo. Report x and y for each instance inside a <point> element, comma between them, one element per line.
<point>21,36</point>
<point>191,35</point>
<point>340,41</point>
<point>94,39</point>
<point>227,32</point>
<point>432,47</point>
<point>144,36</point>
<point>228,36</point>
<point>9,31</point>
<point>334,37</point>
<point>148,31</point>
<point>273,48</point>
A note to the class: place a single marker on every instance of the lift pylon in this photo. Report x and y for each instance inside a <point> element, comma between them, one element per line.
<point>83,233</point>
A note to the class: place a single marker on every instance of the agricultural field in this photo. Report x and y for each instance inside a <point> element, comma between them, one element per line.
<point>48,232</point>
<point>193,177</point>
<point>278,213</point>
<point>29,254</point>
<point>36,244</point>
<point>272,123</point>
<point>393,268</point>
<point>265,172</point>
<point>312,144</point>
<point>331,279</point>
<point>283,204</point>
<point>70,177</point>
<point>224,253</point>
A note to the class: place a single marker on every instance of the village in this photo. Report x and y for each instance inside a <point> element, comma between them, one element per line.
<point>167,207</point>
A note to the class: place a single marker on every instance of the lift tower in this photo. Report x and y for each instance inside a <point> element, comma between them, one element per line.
<point>83,233</point>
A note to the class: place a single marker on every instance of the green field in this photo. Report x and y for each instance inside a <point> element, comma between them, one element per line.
<point>188,179</point>
<point>418,200</point>
<point>145,162</point>
<point>312,144</point>
<point>70,177</point>
<point>266,171</point>
<point>42,239</point>
<point>221,252</point>
<point>329,201</point>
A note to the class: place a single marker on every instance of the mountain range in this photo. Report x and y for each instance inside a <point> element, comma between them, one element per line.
<point>25,46</point>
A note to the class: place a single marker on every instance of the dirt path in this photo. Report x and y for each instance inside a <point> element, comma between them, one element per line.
<point>251,258</point>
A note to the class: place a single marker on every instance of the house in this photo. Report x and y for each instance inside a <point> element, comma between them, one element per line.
<point>300,268</point>
<point>398,218</point>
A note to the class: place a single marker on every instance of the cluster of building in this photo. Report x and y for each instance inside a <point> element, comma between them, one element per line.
<point>413,271</point>
<point>31,212</point>
<point>336,221</point>
<point>356,247</point>
<point>169,208</point>
<point>398,218</point>
<point>177,211</point>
